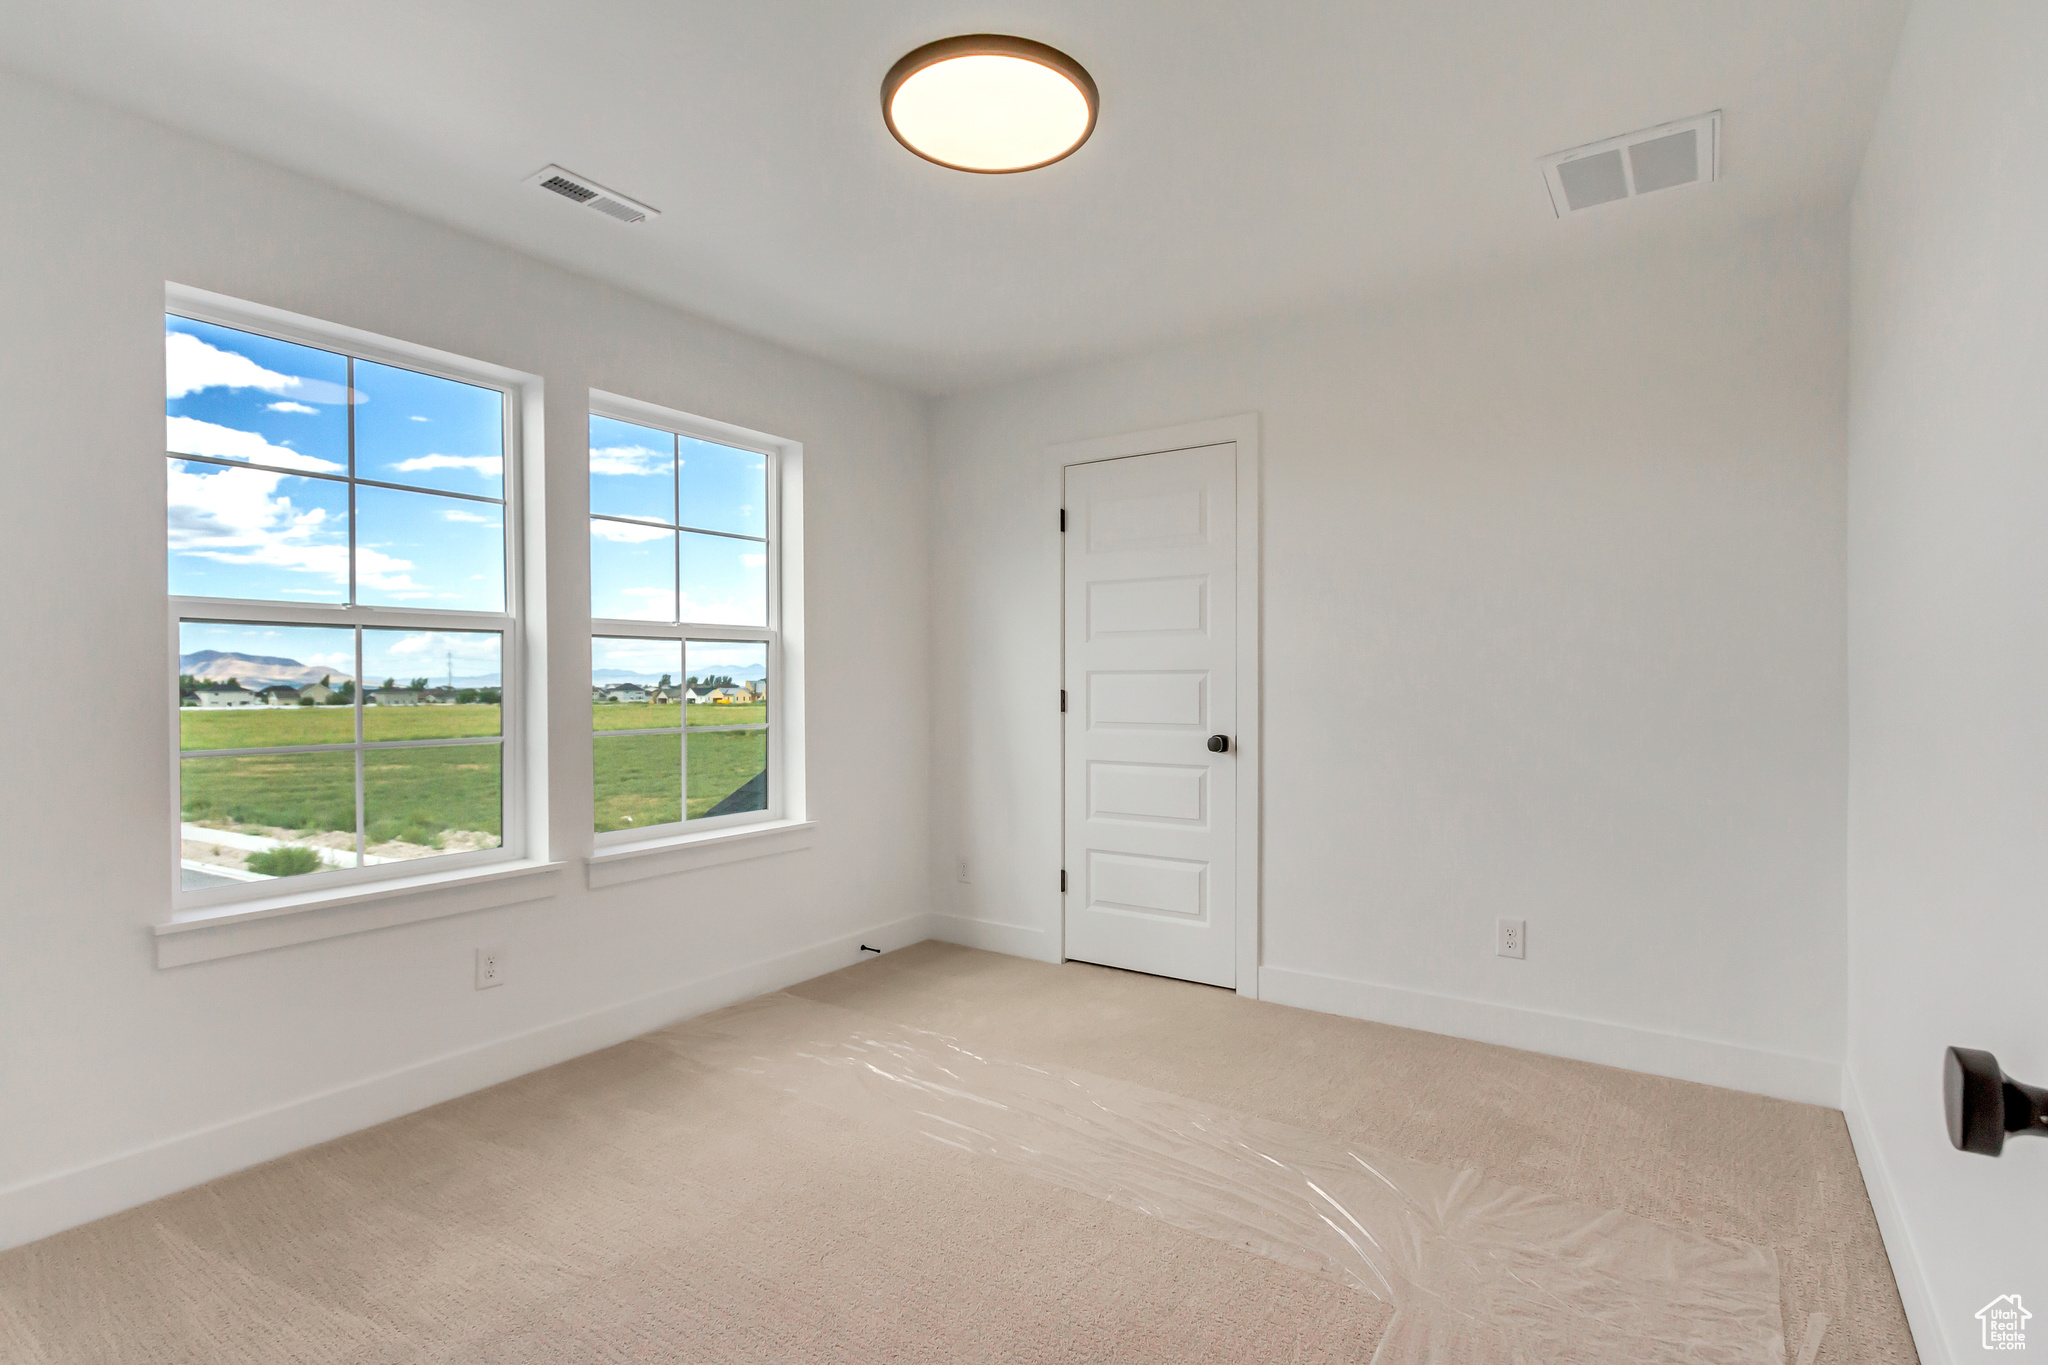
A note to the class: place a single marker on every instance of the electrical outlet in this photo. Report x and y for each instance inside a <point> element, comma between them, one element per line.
<point>1510,938</point>
<point>963,870</point>
<point>490,968</point>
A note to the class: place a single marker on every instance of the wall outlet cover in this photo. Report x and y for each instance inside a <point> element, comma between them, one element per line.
<point>1511,938</point>
<point>490,968</point>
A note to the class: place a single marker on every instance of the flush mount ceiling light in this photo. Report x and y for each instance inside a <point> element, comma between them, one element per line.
<point>990,103</point>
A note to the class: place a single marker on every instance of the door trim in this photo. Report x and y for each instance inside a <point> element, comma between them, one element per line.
<point>1243,431</point>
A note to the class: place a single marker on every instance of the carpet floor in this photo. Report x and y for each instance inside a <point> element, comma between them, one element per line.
<point>632,1206</point>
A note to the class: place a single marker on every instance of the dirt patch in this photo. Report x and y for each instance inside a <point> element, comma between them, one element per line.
<point>452,841</point>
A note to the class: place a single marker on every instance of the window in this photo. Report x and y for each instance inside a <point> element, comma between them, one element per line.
<point>343,580</point>
<point>686,645</point>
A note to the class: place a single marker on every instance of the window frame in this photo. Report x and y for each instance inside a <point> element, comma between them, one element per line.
<point>517,814</point>
<point>784,803</point>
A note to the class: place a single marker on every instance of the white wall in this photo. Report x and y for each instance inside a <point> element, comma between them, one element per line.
<point>1553,578</point>
<point>1948,652</point>
<point>119,1081</point>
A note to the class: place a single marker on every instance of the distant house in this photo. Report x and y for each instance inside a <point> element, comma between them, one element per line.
<point>626,692</point>
<point>319,692</point>
<point>279,694</point>
<point>223,694</point>
<point>438,696</point>
<point>727,696</point>
<point>395,696</point>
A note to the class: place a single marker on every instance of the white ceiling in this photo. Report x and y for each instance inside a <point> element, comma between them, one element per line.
<point>1251,159</point>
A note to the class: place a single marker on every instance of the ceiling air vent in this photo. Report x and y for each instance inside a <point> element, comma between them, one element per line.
<point>591,195</point>
<point>1672,154</point>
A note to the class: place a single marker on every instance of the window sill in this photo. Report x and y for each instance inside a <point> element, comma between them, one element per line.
<point>254,926</point>
<point>619,863</point>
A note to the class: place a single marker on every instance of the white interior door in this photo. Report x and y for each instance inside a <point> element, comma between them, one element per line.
<point>1151,652</point>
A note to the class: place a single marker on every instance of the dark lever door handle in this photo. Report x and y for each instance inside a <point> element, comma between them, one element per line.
<point>1984,1104</point>
<point>1219,744</point>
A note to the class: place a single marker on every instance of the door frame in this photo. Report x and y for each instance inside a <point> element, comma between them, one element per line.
<point>1243,431</point>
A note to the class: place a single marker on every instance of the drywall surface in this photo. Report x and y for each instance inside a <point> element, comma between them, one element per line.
<point>1948,650</point>
<point>119,1080</point>
<point>1553,628</point>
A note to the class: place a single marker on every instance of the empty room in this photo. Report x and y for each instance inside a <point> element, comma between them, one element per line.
<point>1039,682</point>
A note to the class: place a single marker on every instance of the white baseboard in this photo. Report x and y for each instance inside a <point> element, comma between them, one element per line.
<point>1908,1269</point>
<point>1809,1080</point>
<point>1015,940</point>
<point>64,1199</point>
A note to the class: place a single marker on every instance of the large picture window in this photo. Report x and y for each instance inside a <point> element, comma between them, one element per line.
<point>685,646</point>
<point>342,578</point>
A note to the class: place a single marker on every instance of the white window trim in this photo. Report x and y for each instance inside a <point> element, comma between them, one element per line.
<point>694,842</point>
<point>618,863</point>
<point>522,848</point>
<point>277,922</point>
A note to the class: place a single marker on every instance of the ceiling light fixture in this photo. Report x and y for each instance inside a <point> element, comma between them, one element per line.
<point>990,103</point>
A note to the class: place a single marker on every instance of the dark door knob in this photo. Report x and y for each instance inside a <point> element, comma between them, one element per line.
<point>1219,744</point>
<point>1984,1104</point>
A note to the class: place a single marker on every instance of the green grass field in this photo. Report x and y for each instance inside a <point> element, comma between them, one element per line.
<point>305,792</point>
<point>616,715</point>
<point>416,794</point>
<point>265,727</point>
<point>639,777</point>
<point>410,794</point>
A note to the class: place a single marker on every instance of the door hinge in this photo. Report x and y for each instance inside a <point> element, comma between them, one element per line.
<point>1063,521</point>
<point>1063,881</point>
<point>1063,701</point>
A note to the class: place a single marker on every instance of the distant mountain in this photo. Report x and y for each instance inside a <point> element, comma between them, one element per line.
<point>254,670</point>
<point>601,676</point>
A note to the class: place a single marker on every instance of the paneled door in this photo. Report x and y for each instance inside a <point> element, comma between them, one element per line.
<point>1151,697</point>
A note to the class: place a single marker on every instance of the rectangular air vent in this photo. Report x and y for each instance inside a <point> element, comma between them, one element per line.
<point>582,190</point>
<point>1672,154</point>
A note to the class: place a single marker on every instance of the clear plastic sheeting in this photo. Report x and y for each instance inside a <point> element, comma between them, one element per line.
<point>1477,1270</point>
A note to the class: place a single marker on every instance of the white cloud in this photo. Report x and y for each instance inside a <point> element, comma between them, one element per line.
<point>489,465</point>
<point>416,419</point>
<point>469,518</point>
<point>239,517</point>
<point>625,532</point>
<point>655,604</point>
<point>190,436</point>
<point>652,657</point>
<point>730,612</point>
<point>470,652</point>
<point>753,561</point>
<point>191,365</point>
<point>629,460</point>
<point>288,406</point>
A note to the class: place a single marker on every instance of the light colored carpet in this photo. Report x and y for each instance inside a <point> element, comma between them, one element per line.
<point>629,1206</point>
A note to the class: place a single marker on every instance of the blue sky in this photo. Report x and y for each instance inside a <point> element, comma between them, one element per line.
<point>407,654</point>
<point>263,535</point>
<point>634,473</point>
<point>428,432</point>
